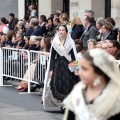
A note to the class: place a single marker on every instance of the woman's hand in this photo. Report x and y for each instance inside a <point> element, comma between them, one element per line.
<point>101,31</point>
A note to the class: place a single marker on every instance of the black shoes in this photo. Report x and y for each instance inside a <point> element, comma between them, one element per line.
<point>34,87</point>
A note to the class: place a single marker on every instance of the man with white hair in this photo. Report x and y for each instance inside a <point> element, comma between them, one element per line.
<point>32,45</point>
<point>37,29</point>
<point>99,24</point>
<point>20,40</point>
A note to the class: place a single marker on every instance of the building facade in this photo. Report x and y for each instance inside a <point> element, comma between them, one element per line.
<point>8,6</point>
<point>102,8</point>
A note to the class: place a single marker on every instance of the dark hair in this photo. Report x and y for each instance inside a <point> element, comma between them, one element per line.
<point>15,21</point>
<point>57,14</point>
<point>3,20</point>
<point>28,37</point>
<point>64,27</point>
<point>111,20</point>
<point>96,69</point>
<point>57,19</point>
<point>51,15</point>
<point>90,11</point>
<point>115,43</point>
<point>108,26</point>
<point>10,34</point>
<point>12,14</point>
<point>80,43</point>
<point>1,33</point>
<point>90,20</point>
<point>50,18</point>
<point>78,48</point>
<point>26,17</point>
<point>47,41</point>
<point>43,17</point>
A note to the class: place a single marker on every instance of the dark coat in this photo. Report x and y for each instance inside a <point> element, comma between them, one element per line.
<point>38,31</point>
<point>29,31</point>
<point>10,25</point>
<point>89,33</point>
<point>109,36</point>
<point>44,28</point>
<point>26,46</point>
<point>38,48</point>
<point>14,45</point>
<point>21,43</point>
<point>77,31</point>
<point>50,31</point>
<point>8,42</point>
<point>33,47</point>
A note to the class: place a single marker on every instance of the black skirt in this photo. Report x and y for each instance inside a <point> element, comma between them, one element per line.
<point>62,80</point>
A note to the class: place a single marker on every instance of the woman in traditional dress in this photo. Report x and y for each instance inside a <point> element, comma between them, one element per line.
<point>97,96</point>
<point>59,81</point>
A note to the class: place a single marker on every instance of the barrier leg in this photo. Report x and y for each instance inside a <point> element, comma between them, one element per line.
<point>1,70</point>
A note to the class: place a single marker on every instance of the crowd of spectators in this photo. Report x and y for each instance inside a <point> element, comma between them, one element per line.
<point>31,32</point>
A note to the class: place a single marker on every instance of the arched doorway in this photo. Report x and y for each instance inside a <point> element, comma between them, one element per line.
<point>107,8</point>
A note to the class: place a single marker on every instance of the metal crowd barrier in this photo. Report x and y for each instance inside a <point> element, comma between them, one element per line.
<point>21,64</point>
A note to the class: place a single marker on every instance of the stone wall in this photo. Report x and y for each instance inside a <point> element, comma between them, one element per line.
<point>21,9</point>
<point>57,5</point>
<point>8,6</point>
<point>47,7</point>
<point>115,11</point>
<point>78,7</point>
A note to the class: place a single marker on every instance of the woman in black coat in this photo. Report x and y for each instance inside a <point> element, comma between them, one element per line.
<point>77,28</point>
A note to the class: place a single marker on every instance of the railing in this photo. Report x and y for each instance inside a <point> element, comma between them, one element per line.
<point>20,64</point>
<point>29,66</point>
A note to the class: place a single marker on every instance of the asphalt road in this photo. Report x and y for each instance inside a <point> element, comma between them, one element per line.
<point>15,106</point>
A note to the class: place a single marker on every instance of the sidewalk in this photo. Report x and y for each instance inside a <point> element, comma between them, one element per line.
<point>9,112</point>
<point>15,106</point>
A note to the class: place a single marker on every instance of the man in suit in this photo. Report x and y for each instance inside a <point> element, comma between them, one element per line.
<point>43,20</point>
<point>90,31</point>
<point>20,40</point>
<point>37,29</point>
<point>38,43</point>
<point>11,19</point>
<point>29,29</point>
<point>99,25</point>
<point>90,13</point>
